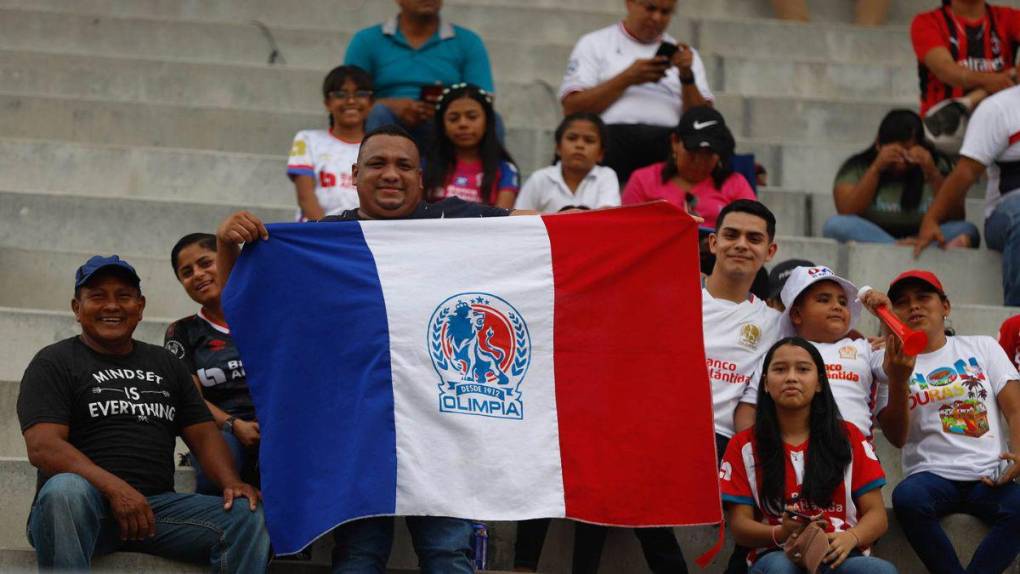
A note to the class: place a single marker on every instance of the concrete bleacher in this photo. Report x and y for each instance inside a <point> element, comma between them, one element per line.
<point>126,123</point>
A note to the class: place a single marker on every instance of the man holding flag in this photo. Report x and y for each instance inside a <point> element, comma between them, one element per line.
<point>388,176</point>
<point>562,336</point>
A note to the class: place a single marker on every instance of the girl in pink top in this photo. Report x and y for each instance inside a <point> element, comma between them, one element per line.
<point>698,177</point>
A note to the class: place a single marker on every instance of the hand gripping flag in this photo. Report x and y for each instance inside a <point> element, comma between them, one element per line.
<point>493,369</point>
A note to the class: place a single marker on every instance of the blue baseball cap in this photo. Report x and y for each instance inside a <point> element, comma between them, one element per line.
<point>97,263</point>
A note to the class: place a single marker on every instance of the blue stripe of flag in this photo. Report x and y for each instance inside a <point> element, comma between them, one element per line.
<point>306,310</point>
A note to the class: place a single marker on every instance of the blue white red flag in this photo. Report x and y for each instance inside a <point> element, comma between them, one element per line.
<point>494,369</point>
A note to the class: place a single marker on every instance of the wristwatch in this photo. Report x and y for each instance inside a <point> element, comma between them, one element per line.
<point>228,425</point>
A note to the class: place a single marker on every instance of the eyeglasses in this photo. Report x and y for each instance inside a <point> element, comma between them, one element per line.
<point>345,95</point>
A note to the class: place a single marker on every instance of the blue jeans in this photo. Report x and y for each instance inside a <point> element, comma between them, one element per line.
<point>921,499</point>
<point>245,461</point>
<point>443,545</point>
<point>777,563</point>
<point>381,115</point>
<point>845,228</point>
<point>71,522</point>
<point>1002,235</point>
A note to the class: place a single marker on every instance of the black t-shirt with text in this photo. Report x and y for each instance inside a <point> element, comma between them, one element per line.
<point>449,208</point>
<point>209,353</point>
<point>123,412</point>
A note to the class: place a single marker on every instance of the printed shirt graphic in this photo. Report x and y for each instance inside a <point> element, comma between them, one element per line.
<point>123,412</point>
<point>328,159</point>
<point>975,45</point>
<point>210,354</point>
<point>736,338</point>
<point>466,182</point>
<point>955,428</point>
<point>741,483</point>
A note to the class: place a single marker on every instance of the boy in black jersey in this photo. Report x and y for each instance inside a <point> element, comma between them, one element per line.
<point>100,413</point>
<point>204,343</point>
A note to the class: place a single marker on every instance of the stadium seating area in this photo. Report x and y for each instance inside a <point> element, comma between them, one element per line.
<point>126,123</point>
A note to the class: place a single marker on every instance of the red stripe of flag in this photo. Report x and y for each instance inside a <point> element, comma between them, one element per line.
<point>633,398</point>
<point>1014,138</point>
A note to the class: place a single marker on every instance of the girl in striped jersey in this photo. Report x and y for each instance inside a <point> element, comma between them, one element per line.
<point>801,460</point>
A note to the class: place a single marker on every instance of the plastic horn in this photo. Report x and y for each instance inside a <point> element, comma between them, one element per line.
<point>914,342</point>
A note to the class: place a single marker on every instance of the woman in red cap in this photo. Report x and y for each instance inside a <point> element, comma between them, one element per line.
<point>955,453</point>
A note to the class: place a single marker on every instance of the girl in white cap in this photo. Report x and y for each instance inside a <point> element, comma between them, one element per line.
<point>822,308</point>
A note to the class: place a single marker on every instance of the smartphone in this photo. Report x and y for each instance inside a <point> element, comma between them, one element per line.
<point>431,93</point>
<point>801,517</point>
<point>667,49</point>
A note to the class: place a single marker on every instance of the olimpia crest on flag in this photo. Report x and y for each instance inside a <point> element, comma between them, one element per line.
<point>481,349</point>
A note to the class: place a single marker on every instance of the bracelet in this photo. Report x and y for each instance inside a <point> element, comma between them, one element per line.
<point>687,81</point>
<point>774,541</point>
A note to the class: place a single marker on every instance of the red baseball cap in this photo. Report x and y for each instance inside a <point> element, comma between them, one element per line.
<point>920,275</point>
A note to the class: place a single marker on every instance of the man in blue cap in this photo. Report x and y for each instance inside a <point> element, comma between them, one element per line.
<point>100,413</point>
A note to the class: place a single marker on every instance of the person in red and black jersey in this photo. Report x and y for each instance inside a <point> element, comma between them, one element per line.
<point>203,342</point>
<point>966,50</point>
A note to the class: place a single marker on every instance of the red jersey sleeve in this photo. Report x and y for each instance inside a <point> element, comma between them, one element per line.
<point>867,471</point>
<point>1008,20</point>
<point>733,480</point>
<point>1009,338</point>
<point>926,33</point>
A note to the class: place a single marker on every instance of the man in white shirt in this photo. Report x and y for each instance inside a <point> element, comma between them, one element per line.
<point>616,72</point>
<point>992,143</point>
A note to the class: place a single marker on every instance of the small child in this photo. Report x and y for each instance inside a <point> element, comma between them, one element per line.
<point>467,160</point>
<point>575,178</point>
<point>321,160</point>
<point>822,308</point>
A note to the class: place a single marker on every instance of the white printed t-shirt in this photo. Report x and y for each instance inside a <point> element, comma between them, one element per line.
<point>321,155</point>
<point>993,140</point>
<point>603,54</point>
<point>955,429</point>
<point>737,335</point>
<point>547,192</point>
<point>856,376</point>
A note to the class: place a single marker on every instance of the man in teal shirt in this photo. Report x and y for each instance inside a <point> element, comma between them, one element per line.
<point>417,48</point>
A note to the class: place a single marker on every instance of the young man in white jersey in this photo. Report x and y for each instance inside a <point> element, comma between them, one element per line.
<point>738,327</point>
<point>992,144</point>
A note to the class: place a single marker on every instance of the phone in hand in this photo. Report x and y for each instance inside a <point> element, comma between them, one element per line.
<point>801,517</point>
<point>667,49</point>
<point>431,93</point>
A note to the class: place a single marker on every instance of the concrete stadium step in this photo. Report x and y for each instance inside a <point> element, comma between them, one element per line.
<point>104,225</point>
<point>37,279</point>
<point>219,129</point>
<point>313,46</point>
<point>792,162</point>
<point>283,90</point>
<point>758,75</point>
<point>791,208</point>
<point>238,86</point>
<point>145,172</point>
